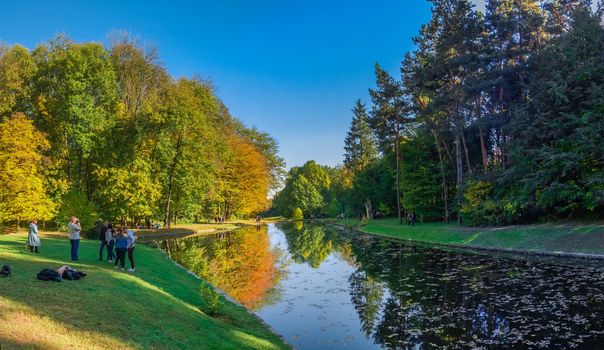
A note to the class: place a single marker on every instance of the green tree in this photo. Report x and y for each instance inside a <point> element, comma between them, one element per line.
<point>557,154</point>
<point>389,115</point>
<point>75,94</point>
<point>359,144</point>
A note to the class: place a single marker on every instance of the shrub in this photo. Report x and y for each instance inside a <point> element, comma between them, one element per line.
<point>297,214</point>
<point>210,299</point>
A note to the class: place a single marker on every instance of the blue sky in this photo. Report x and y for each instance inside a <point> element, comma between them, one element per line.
<point>291,68</point>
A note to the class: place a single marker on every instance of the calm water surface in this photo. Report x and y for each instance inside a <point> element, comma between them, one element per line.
<point>323,288</point>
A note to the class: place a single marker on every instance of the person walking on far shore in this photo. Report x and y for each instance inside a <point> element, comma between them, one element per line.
<point>74,237</point>
<point>33,240</point>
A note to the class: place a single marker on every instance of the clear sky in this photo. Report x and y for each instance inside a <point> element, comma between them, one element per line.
<point>291,68</point>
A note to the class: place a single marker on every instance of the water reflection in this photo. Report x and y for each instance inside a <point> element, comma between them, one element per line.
<point>342,289</point>
<point>241,263</point>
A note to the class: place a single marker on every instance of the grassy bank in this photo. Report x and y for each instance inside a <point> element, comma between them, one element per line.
<point>566,238</point>
<point>158,307</point>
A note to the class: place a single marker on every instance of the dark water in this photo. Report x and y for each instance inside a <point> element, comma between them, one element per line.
<point>322,288</point>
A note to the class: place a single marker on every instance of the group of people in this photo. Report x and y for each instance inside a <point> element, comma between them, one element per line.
<point>118,242</point>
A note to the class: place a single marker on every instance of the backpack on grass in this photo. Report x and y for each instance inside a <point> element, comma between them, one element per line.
<point>5,270</point>
<point>49,275</point>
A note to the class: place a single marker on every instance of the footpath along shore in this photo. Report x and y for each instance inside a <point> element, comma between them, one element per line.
<point>160,306</point>
<point>555,239</point>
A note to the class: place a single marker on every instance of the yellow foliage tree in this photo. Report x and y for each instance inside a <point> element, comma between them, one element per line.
<point>22,192</point>
<point>244,179</point>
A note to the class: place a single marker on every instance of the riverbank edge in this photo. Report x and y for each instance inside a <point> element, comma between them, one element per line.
<point>560,254</point>
<point>229,299</point>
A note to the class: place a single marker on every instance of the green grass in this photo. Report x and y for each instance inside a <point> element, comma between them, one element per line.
<point>567,238</point>
<point>160,306</point>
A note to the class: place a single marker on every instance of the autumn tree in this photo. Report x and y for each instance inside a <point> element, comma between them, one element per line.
<point>22,192</point>
<point>16,70</point>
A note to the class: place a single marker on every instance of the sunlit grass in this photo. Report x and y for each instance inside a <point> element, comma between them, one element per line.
<point>567,238</point>
<point>158,307</point>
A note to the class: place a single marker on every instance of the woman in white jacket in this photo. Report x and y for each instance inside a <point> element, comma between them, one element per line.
<point>32,239</point>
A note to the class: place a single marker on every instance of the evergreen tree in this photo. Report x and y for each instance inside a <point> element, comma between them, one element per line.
<point>359,144</point>
<point>558,159</point>
<point>389,115</point>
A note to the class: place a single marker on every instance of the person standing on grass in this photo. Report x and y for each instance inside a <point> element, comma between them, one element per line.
<point>110,242</point>
<point>32,239</point>
<point>121,243</point>
<point>130,247</point>
<point>74,237</point>
<point>102,239</point>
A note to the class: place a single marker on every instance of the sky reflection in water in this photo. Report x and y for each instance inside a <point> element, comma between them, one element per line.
<point>323,288</point>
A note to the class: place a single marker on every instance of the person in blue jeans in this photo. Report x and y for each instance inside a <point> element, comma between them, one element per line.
<point>74,237</point>
<point>121,243</point>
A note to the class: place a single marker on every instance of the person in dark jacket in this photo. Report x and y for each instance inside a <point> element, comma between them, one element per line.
<point>102,228</point>
<point>121,244</point>
<point>110,239</point>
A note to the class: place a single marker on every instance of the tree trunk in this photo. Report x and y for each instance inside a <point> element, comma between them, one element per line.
<point>398,174</point>
<point>171,181</point>
<point>459,170</point>
<point>483,147</point>
<point>465,149</point>
<point>442,174</point>
<point>368,209</point>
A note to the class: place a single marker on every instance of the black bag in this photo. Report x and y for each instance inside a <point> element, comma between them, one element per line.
<point>5,270</point>
<point>72,274</point>
<point>49,275</point>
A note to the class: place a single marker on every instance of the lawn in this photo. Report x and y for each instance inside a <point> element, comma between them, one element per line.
<point>566,238</point>
<point>158,307</point>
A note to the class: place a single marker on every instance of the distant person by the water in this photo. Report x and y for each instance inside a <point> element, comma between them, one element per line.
<point>33,240</point>
<point>121,244</point>
<point>109,238</point>
<point>130,247</point>
<point>74,237</point>
<point>411,219</point>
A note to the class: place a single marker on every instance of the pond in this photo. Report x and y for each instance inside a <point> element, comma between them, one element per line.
<point>326,288</point>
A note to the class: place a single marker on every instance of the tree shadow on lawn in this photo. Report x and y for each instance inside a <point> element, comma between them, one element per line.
<point>118,304</point>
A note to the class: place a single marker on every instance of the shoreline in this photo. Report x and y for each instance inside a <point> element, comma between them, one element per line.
<point>532,240</point>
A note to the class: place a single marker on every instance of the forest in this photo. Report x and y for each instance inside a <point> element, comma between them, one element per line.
<point>496,117</point>
<point>104,132</point>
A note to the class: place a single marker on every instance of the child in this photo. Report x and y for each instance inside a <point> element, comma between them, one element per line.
<point>130,246</point>
<point>121,243</point>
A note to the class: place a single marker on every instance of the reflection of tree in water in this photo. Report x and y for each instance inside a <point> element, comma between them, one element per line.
<point>409,297</point>
<point>366,293</point>
<point>308,244</point>
<point>240,263</point>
